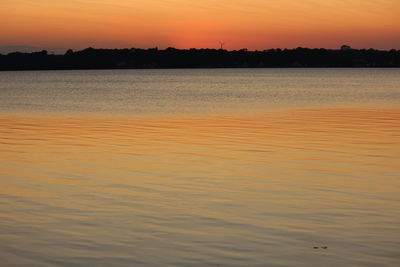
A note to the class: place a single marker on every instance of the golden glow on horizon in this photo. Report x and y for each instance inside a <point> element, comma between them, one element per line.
<point>187,23</point>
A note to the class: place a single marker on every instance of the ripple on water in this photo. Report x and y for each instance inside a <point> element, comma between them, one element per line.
<point>203,190</point>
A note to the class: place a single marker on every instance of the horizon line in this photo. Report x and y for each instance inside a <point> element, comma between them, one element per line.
<point>49,49</point>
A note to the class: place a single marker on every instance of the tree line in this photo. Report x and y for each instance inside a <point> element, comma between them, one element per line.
<point>152,58</point>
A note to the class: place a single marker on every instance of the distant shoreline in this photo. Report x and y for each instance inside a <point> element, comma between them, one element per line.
<point>172,58</point>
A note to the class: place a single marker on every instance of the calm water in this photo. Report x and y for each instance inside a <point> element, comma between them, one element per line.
<point>200,167</point>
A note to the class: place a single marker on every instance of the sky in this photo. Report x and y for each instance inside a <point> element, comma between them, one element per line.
<point>251,24</point>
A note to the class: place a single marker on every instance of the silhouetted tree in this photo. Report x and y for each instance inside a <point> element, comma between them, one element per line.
<point>69,52</point>
<point>345,47</point>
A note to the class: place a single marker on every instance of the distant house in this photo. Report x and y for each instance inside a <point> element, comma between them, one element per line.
<point>345,48</point>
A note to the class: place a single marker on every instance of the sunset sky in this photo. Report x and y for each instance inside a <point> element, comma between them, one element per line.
<point>252,24</point>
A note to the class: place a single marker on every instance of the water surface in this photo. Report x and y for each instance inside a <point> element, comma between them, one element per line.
<point>200,167</point>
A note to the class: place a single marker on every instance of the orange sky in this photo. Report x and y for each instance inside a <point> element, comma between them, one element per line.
<point>252,24</point>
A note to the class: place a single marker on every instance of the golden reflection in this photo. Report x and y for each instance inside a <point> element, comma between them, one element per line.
<point>297,142</point>
<point>267,180</point>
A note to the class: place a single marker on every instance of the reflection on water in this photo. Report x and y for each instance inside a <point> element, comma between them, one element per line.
<point>201,189</point>
<point>196,91</point>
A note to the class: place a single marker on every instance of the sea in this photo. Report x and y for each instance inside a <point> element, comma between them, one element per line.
<point>200,167</point>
